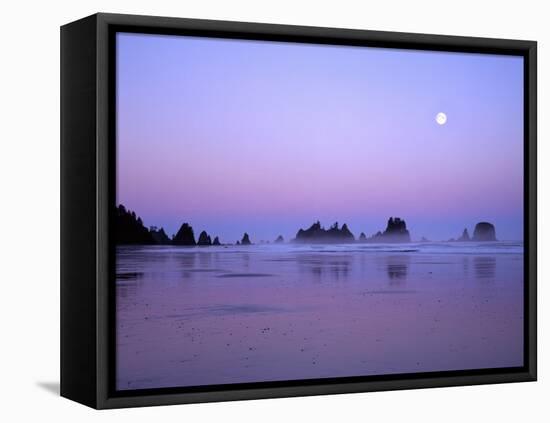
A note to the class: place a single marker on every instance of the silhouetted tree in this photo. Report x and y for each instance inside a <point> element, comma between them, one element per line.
<point>129,229</point>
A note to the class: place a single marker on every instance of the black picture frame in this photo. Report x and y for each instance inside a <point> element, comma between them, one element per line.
<point>87,196</point>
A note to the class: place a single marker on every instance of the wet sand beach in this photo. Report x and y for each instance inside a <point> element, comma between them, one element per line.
<point>191,316</point>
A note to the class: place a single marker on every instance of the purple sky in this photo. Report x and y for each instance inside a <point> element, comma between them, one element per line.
<point>266,137</point>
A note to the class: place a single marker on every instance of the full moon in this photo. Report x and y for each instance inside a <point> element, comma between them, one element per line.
<point>441,118</point>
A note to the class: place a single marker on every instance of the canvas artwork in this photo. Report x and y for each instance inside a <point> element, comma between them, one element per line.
<point>289,211</point>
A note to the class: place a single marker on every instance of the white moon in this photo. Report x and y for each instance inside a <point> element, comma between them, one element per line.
<point>441,118</point>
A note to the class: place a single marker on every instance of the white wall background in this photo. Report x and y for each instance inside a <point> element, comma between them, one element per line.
<point>29,214</point>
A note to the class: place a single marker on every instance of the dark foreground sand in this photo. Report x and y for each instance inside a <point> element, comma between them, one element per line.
<point>216,315</point>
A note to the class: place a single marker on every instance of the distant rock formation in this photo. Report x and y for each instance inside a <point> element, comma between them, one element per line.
<point>484,231</point>
<point>396,232</point>
<point>159,236</point>
<point>362,237</point>
<point>129,228</point>
<point>185,236</point>
<point>464,237</point>
<point>204,239</point>
<point>279,240</point>
<point>238,243</point>
<point>245,240</point>
<point>216,241</point>
<point>317,234</point>
<point>344,233</point>
<point>424,239</point>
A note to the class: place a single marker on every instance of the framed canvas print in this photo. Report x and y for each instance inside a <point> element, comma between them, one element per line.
<point>255,211</point>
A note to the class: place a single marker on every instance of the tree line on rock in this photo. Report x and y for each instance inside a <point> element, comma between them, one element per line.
<point>129,229</point>
<point>318,234</point>
<point>396,231</point>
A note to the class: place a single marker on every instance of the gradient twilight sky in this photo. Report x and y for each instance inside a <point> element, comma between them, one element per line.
<point>267,137</point>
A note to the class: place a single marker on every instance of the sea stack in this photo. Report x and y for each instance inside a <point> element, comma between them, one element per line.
<point>185,236</point>
<point>159,236</point>
<point>344,233</point>
<point>245,240</point>
<point>362,237</point>
<point>216,241</point>
<point>130,229</point>
<point>316,234</point>
<point>465,236</point>
<point>279,239</point>
<point>204,239</point>
<point>484,231</point>
<point>396,232</point>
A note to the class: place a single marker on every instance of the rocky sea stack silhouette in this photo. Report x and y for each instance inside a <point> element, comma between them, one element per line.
<point>185,236</point>
<point>484,231</point>
<point>318,234</point>
<point>396,232</point>
<point>130,229</point>
<point>204,239</point>
<point>245,240</point>
<point>464,237</point>
<point>159,236</point>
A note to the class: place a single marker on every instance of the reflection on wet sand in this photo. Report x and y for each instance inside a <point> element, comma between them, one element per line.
<point>485,267</point>
<point>196,316</point>
<point>397,267</point>
<point>465,266</point>
<point>187,260</point>
<point>325,266</point>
